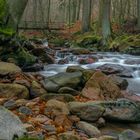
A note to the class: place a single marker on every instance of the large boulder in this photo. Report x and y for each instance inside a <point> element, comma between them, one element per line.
<point>86,111</point>
<point>129,135</point>
<point>10,125</point>
<point>86,74</point>
<point>8,68</point>
<point>122,110</point>
<point>54,83</point>
<point>36,89</point>
<point>13,90</point>
<point>120,82</point>
<point>61,97</point>
<point>89,129</point>
<point>56,108</point>
<point>116,69</point>
<point>100,87</point>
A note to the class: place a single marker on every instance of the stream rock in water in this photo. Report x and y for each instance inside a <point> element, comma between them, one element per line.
<point>122,65</point>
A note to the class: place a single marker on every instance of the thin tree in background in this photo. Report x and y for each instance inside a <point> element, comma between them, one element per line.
<point>106,25</point>
<point>86,15</point>
<point>138,9</point>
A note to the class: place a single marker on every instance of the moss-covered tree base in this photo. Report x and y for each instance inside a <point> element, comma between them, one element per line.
<point>126,44</point>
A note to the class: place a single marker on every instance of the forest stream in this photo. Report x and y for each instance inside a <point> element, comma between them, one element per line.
<point>128,64</point>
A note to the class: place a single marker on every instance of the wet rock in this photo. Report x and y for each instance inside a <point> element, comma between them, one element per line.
<point>60,97</point>
<point>46,58</point>
<point>108,138</point>
<point>63,61</point>
<point>100,87</point>
<point>131,96</point>
<point>89,129</point>
<point>101,122</point>
<point>29,127</point>
<point>8,68</point>
<point>86,74</point>
<point>13,90</point>
<point>68,136</point>
<point>120,82</point>
<point>89,60</point>
<point>52,138</point>
<point>74,69</point>
<point>54,83</point>
<point>21,102</point>
<point>111,68</point>
<point>56,107</point>
<point>22,82</point>
<point>25,110</point>
<point>37,90</point>
<point>11,104</point>
<point>33,68</point>
<point>74,118</point>
<point>41,119</point>
<point>122,110</point>
<point>68,90</point>
<point>38,51</point>
<point>49,128</point>
<point>89,108</point>
<point>129,135</point>
<point>132,61</point>
<point>10,125</point>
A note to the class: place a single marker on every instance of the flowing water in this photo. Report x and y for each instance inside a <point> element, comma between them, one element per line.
<point>129,62</point>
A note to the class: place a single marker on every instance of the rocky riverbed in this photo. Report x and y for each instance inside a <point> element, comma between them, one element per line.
<point>77,104</point>
<point>83,96</point>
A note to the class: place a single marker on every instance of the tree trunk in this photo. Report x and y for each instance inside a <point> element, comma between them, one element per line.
<point>138,9</point>
<point>86,15</point>
<point>16,9</point>
<point>106,25</point>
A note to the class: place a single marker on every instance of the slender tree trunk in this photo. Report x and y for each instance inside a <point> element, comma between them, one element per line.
<point>99,26</point>
<point>78,9</point>
<point>86,15</point>
<point>106,25</point>
<point>138,9</point>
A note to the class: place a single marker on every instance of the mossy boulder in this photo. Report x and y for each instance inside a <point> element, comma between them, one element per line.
<point>13,90</point>
<point>12,50</point>
<point>18,56</point>
<point>8,68</point>
<point>126,44</point>
<point>88,40</point>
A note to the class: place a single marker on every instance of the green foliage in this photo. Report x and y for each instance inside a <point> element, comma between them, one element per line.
<point>7,31</point>
<point>2,9</point>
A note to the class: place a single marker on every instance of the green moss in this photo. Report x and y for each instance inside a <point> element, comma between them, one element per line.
<point>58,41</point>
<point>88,40</point>
<point>124,42</point>
<point>7,31</point>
